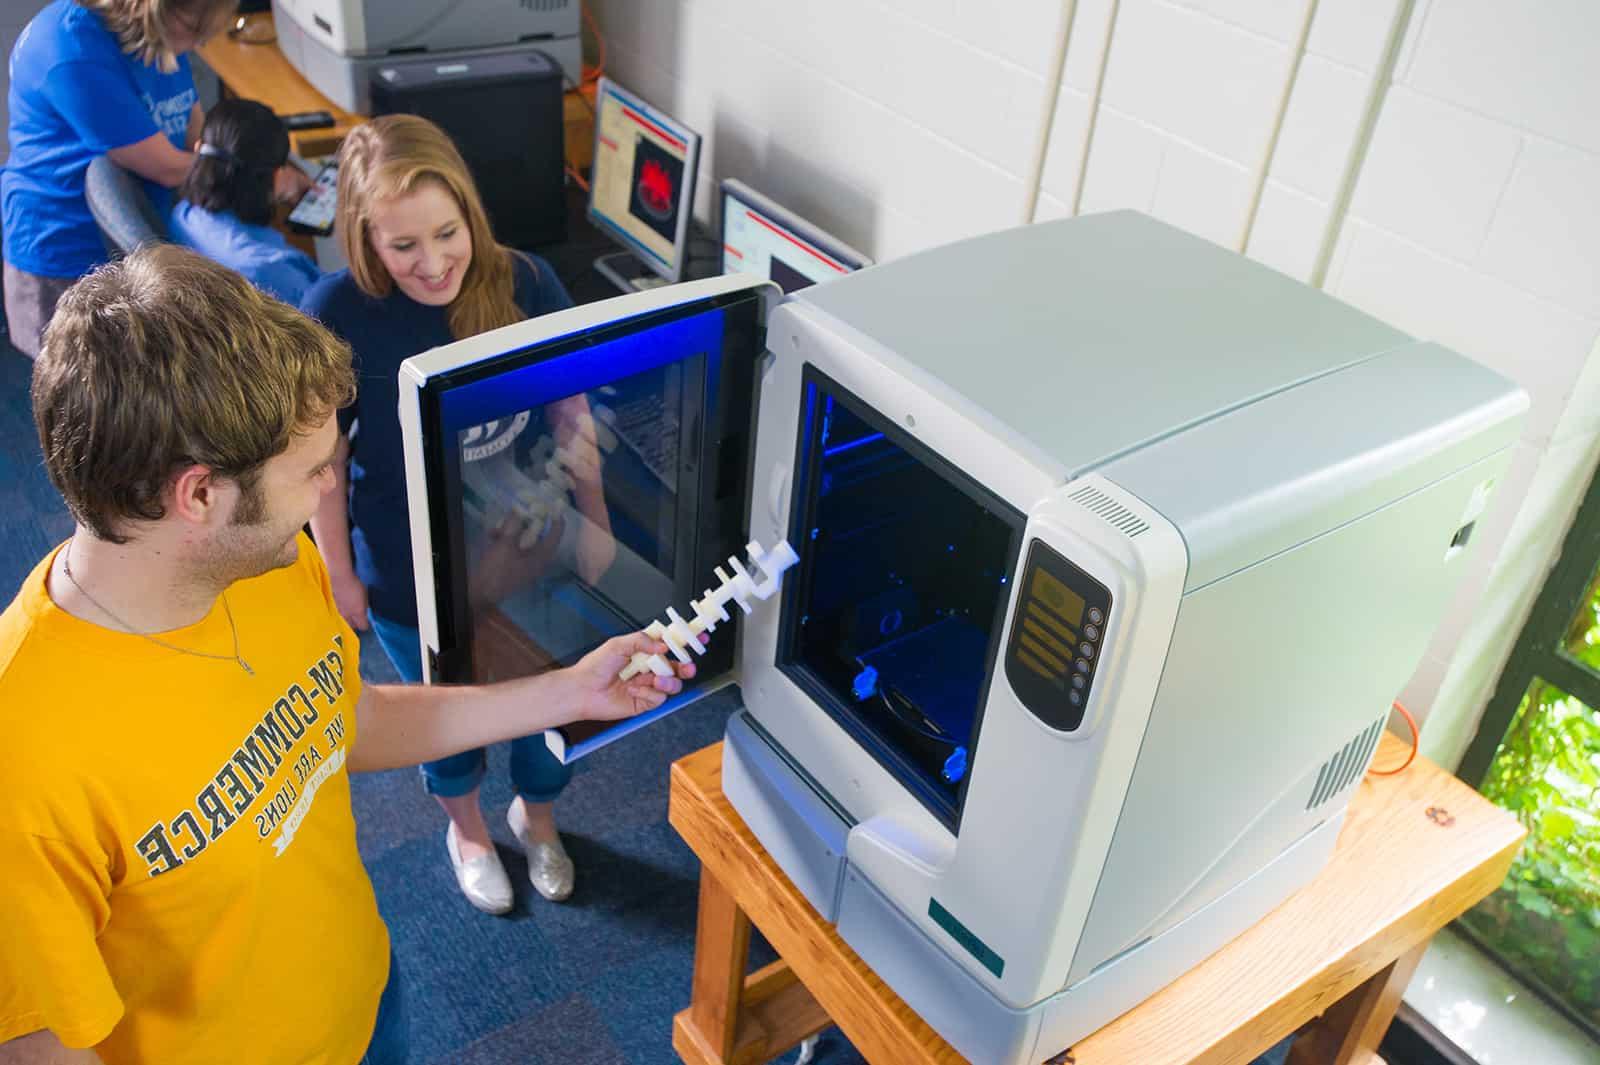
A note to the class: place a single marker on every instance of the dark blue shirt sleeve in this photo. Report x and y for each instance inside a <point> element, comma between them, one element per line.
<point>538,289</point>
<point>100,104</point>
<point>320,302</point>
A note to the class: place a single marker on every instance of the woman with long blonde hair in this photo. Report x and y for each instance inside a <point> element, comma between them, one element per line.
<point>92,78</point>
<point>425,270</point>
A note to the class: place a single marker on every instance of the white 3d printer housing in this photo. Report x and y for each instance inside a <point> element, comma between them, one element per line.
<point>1258,500</point>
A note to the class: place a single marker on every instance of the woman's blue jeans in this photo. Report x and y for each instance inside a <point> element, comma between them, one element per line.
<point>536,773</point>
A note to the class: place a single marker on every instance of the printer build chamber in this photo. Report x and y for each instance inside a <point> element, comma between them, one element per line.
<point>1115,548</point>
<point>898,604</point>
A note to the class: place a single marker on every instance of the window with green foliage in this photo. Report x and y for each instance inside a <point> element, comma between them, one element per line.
<point>1545,920</point>
<point>1537,754</point>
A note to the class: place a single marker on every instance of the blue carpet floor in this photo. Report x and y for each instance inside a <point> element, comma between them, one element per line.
<point>32,517</point>
<point>594,981</point>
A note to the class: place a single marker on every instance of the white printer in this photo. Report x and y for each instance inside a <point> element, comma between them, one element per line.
<point>338,45</point>
<point>1115,548</point>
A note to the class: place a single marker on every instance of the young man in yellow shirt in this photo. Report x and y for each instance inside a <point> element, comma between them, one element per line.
<point>181,705</point>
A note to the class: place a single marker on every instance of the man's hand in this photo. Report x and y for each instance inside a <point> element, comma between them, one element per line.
<point>600,696</point>
<point>350,596</point>
<point>403,724</point>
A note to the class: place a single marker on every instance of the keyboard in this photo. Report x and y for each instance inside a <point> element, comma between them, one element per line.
<point>651,430</point>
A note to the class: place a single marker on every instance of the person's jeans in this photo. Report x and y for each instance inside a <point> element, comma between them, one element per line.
<point>391,1035</point>
<point>537,774</point>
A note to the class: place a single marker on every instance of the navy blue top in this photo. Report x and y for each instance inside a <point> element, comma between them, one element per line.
<point>384,333</point>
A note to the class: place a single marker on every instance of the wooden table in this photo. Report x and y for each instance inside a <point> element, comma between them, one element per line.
<point>1416,851</point>
<point>260,72</point>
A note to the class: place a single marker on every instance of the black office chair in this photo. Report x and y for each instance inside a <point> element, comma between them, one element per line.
<point>120,207</point>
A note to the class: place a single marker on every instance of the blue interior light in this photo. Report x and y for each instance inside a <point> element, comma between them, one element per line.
<point>955,767</point>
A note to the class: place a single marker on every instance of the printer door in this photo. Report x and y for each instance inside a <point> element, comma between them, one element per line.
<point>573,476</point>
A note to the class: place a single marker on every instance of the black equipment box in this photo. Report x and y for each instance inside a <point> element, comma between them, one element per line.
<point>504,111</point>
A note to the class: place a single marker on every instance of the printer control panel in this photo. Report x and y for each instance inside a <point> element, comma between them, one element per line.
<point>1056,637</point>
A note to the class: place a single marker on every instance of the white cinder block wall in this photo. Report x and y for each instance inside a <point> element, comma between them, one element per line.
<point>896,126</point>
<point>1473,217</point>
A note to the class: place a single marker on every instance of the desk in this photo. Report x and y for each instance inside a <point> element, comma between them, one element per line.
<point>260,72</point>
<point>1416,851</point>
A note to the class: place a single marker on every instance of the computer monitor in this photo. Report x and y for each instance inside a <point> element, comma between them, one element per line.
<point>759,237</point>
<point>641,191</point>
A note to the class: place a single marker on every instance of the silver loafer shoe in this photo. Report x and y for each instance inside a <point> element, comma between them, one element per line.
<point>482,880</point>
<point>550,870</point>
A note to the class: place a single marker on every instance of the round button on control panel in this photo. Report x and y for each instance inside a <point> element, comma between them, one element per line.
<point>1058,622</point>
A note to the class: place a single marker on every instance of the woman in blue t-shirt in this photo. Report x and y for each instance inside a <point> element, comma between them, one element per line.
<point>90,78</point>
<point>224,207</point>
<point>425,270</point>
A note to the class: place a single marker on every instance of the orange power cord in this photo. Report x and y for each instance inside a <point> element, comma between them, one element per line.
<point>592,73</point>
<point>1416,740</point>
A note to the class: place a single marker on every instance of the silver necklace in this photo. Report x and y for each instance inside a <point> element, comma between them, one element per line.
<point>66,567</point>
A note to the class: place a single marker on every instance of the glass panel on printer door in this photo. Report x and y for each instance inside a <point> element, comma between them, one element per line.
<point>586,484</point>
<point>893,621</point>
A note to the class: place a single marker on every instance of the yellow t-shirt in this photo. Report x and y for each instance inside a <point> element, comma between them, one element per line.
<point>179,881</point>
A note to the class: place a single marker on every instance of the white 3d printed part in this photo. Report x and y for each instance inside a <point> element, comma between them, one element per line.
<point>682,636</point>
<point>538,502</point>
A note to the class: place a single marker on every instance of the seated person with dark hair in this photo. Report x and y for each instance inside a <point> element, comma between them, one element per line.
<point>224,208</point>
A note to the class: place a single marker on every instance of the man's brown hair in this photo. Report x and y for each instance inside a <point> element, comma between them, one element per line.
<point>164,360</point>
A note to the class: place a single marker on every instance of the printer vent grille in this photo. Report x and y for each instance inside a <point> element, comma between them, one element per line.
<point>1112,512</point>
<point>1343,768</point>
<point>546,5</point>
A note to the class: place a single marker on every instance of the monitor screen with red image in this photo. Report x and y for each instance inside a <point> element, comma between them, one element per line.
<point>642,188</point>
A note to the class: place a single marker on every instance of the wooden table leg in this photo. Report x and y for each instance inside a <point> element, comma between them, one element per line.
<point>721,954</point>
<point>1350,1031</point>
<point>735,1019</point>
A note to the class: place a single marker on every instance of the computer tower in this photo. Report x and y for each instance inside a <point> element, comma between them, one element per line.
<point>505,114</point>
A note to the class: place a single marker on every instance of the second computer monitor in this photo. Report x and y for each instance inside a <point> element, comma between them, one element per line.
<point>759,237</point>
<point>642,187</point>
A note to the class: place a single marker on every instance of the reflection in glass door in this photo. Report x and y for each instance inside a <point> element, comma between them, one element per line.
<point>571,518</point>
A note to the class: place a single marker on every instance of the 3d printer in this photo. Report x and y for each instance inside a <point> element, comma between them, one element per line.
<point>1114,549</point>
